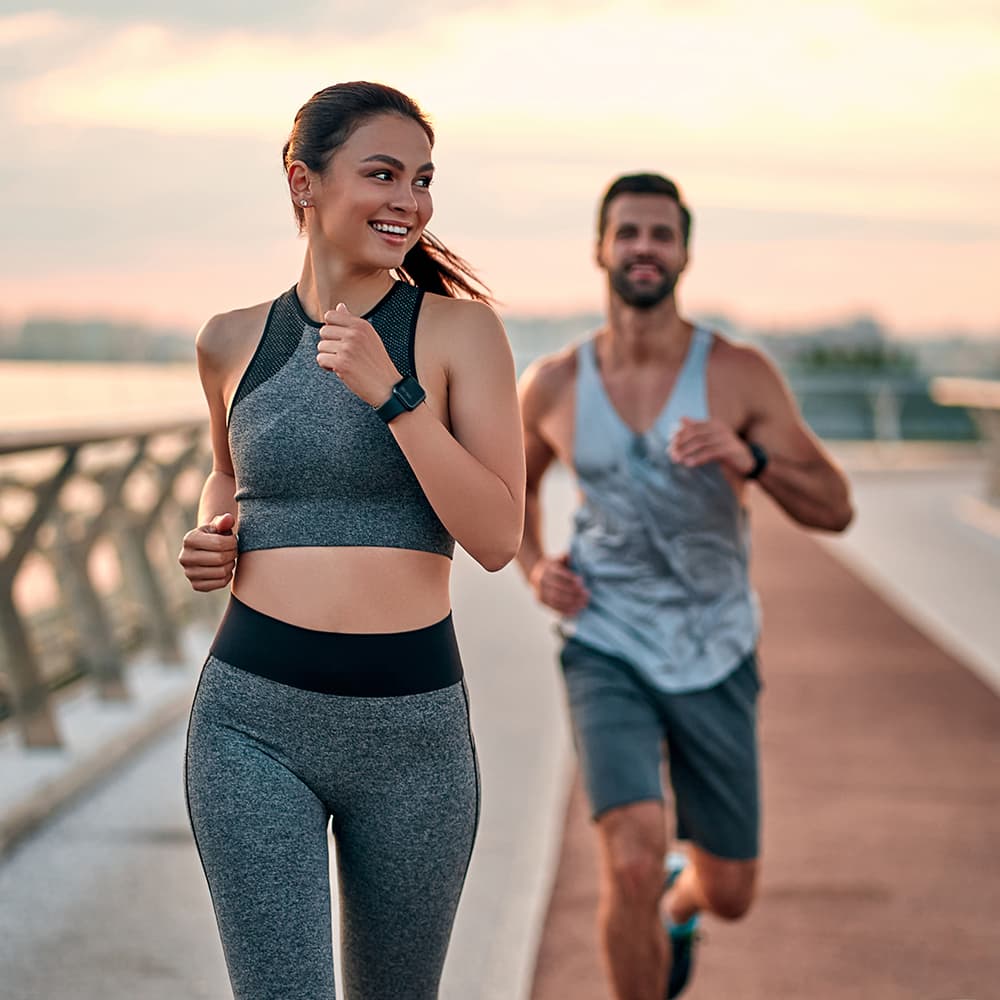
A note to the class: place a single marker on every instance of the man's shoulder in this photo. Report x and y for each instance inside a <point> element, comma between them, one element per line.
<point>738,359</point>
<point>547,378</point>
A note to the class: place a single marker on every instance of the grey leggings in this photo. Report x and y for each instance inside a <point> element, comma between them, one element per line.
<point>268,766</point>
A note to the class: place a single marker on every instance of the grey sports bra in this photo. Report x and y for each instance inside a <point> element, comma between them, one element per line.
<point>314,463</point>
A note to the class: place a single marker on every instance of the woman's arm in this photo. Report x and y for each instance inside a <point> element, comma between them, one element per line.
<point>473,476</point>
<point>208,552</point>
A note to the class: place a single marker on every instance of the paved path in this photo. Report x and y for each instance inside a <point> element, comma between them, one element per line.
<point>928,544</point>
<point>882,811</point>
<point>108,901</point>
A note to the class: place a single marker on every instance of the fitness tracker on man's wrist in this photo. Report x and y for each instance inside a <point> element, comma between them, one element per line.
<point>407,394</point>
<point>759,460</point>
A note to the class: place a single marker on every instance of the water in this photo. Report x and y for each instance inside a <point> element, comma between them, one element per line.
<point>44,394</point>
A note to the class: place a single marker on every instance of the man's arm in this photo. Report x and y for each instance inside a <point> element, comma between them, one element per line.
<point>800,474</point>
<point>554,583</point>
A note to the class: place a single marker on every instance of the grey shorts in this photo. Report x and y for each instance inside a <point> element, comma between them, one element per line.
<point>622,725</point>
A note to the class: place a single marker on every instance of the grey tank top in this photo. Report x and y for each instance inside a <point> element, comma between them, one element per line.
<point>314,463</point>
<point>663,549</point>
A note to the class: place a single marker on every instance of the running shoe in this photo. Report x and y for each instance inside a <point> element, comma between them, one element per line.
<point>682,937</point>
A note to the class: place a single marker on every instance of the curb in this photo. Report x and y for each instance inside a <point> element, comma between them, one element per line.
<point>30,811</point>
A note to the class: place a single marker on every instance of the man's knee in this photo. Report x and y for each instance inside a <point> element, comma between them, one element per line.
<point>729,886</point>
<point>633,841</point>
<point>636,875</point>
<point>730,902</point>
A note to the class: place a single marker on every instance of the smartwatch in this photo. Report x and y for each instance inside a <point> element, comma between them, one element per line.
<point>407,394</point>
<point>759,460</point>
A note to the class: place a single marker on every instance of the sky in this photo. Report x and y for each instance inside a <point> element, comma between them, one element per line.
<point>840,158</point>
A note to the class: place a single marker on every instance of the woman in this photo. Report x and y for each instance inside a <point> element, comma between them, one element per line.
<point>360,424</point>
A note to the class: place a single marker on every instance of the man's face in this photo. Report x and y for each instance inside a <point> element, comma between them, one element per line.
<point>643,248</point>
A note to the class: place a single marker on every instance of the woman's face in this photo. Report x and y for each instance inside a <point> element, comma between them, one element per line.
<point>373,200</point>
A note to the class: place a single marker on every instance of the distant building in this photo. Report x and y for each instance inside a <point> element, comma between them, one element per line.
<point>42,339</point>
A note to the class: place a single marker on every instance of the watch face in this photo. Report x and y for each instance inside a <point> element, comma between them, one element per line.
<point>409,392</point>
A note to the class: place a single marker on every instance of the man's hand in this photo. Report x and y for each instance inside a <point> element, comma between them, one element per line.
<point>557,586</point>
<point>208,554</point>
<point>697,442</point>
<point>351,348</point>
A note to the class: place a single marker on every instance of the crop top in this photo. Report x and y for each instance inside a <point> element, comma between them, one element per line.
<point>314,463</point>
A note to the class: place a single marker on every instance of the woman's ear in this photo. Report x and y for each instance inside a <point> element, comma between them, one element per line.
<point>300,183</point>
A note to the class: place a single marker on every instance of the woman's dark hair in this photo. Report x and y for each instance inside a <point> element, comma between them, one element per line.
<point>325,122</point>
<point>643,184</point>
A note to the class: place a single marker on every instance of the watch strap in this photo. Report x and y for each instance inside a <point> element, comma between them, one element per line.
<point>759,460</point>
<point>407,394</point>
<point>391,408</point>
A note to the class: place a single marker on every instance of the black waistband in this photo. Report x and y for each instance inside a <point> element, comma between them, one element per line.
<point>370,664</point>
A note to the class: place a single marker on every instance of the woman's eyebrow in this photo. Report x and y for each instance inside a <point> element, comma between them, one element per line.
<point>393,162</point>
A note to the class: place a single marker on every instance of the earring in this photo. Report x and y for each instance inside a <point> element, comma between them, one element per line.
<point>304,203</point>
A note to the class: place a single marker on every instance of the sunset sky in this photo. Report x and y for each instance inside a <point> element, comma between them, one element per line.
<point>839,157</point>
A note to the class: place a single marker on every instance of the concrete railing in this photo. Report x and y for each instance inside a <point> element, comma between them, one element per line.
<point>981,397</point>
<point>876,407</point>
<point>90,524</point>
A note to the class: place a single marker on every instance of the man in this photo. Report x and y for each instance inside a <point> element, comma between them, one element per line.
<point>664,425</point>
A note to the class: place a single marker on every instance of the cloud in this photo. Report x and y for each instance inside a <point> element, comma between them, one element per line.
<point>149,143</point>
<point>299,23</point>
<point>187,14</point>
<point>818,78</point>
<point>111,196</point>
<point>731,224</point>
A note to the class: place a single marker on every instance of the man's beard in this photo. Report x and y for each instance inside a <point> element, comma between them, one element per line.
<point>647,296</point>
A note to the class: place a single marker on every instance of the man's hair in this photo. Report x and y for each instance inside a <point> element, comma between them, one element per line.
<point>643,184</point>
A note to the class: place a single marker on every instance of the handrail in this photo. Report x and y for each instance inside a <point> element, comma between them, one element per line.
<point>976,393</point>
<point>981,397</point>
<point>94,432</point>
<point>90,521</point>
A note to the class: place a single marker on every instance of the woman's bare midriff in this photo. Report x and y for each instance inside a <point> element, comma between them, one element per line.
<point>346,589</point>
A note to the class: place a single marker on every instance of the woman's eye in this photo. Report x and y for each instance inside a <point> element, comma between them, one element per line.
<point>382,175</point>
<point>424,182</point>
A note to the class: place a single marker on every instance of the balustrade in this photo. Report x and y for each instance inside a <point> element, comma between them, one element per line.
<point>91,520</point>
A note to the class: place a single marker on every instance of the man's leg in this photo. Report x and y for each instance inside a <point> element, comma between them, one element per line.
<point>632,842</point>
<point>720,886</point>
<point>619,741</point>
<point>712,738</point>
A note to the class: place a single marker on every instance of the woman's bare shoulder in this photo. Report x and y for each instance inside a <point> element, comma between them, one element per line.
<point>451,315</point>
<point>460,333</point>
<point>227,337</point>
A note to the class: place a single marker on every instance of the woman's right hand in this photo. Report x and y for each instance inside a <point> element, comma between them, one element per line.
<point>208,554</point>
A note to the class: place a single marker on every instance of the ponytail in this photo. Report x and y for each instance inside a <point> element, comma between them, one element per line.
<point>430,265</point>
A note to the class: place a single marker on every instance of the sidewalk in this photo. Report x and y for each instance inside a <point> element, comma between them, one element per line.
<point>106,899</point>
<point>881,821</point>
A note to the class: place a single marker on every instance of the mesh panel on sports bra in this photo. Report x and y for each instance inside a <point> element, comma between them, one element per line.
<point>282,333</point>
<point>394,318</point>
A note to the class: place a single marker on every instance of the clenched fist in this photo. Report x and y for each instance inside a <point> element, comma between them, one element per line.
<point>208,554</point>
<point>698,442</point>
<point>350,347</point>
<point>557,586</point>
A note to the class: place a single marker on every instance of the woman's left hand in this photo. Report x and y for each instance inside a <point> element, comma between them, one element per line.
<point>350,347</point>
